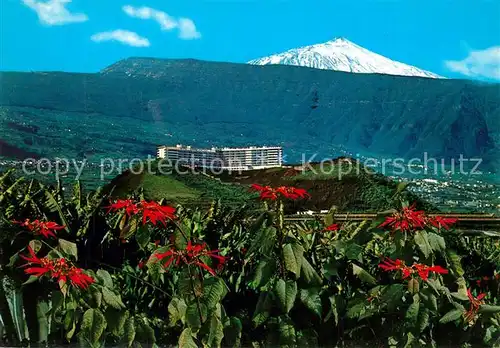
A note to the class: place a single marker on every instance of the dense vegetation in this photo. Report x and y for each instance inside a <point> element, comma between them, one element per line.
<point>139,272</point>
<point>205,103</point>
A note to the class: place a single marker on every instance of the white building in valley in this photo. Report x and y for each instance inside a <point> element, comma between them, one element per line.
<point>228,158</point>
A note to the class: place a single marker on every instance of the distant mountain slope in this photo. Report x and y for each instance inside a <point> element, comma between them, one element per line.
<point>342,55</point>
<point>305,110</point>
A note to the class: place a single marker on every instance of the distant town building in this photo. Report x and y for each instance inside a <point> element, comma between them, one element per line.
<point>227,158</point>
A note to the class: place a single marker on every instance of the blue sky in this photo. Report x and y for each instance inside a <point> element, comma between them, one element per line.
<point>459,38</point>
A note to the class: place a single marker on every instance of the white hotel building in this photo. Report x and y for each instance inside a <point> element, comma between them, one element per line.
<point>228,158</point>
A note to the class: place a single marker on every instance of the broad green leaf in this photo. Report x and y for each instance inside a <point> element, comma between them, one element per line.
<point>186,339</point>
<point>263,273</point>
<point>93,325</point>
<point>455,262</point>
<point>311,299</point>
<point>42,309</point>
<point>177,310</point>
<point>216,333</point>
<point>196,314</point>
<point>105,278</point>
<point>412,312</point>
<point>363,275</point>
<point>143,236</point>
<point>68,248</point>
<point>436,242</point>
<point>292,254</point>
<point>214,292</point>
<point>309,274</point>
<point>287,332</point>
<point>35,244</point>
<point>286,293</point>
<point>392,296</point>
<point>129,329</point>
<point>489,309</point>
<point>145,333</point>
<point>422,241</point>
<point>262,309</point>
<point>423,319</point>
<point>112,299</point>
<point>116,320</point>
<point>452,315</point>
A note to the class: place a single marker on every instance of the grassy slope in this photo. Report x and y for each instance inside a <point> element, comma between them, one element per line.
<point>354,192</point>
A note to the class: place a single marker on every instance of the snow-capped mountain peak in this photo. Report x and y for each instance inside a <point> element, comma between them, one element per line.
<point>342,55</point>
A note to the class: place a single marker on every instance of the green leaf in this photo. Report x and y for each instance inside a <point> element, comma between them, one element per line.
<point>186,339</point>
<point>116,320</point>
<point>422,241</point>
<point>216,333</point>
<point>143,236</point>
<point>392,296</point>
<point>412,312</point>
<point>436,242</point>
<point>112,299</point>
<point>93,325</point>
<point>311,299</point>
<point>214,292</point>
<point>262,309</point>
<point>105,278</point>
<point>129,329</point>
<point>53,205</point>
<point>286,293</point>
<point>177,310</point>
<point>363,275</point>
<point>454,262</point>
<point>68,248</point>
<point>292,254</point>
<point>263,273</point>
<point>42,309</point>
<point>287,332</point>
<point>489,309</point>
<point>309,274</point>
<point>452,315</point>
<point>146,333</point>
<point>195,316</point>
<point>35,244</point>
<point>423,319</point>
<point>334,308</point>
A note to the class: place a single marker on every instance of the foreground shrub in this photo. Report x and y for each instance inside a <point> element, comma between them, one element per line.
<point>134,272</point>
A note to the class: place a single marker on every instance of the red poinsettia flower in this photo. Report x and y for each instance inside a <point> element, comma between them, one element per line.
<point>79,279</point>
<point>156,213</point>
<point>405,220</point>
<point>191,255</point>
<point>475,303</point>
<point>442,222</point>
<point>127,204</point>
<point>407,271</point>
<point>424,270</point>
<point>292,192</point>
<point>332,227</point>
<point>46,229</point>
<point>268,192</point>
<point>151,211</point>
<point>58,269</point>
<point>45,265</point>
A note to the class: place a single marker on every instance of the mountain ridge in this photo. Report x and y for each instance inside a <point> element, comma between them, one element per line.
<point>341,54</point>
<point>305,110</point>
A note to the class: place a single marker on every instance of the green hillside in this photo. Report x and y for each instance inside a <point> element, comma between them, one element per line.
<point>365,191</point>
<point>137,103</point>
